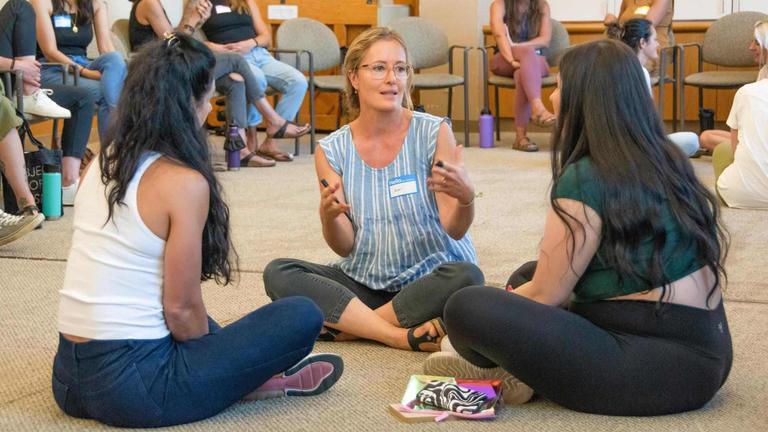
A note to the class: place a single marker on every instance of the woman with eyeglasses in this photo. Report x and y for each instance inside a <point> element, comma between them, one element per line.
<point>395,203</point>
<point>136,347</point>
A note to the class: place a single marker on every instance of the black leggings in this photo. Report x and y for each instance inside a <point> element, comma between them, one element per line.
<point>17,39</point>
<point>608,357</point>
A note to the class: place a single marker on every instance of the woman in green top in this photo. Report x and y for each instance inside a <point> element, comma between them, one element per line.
<point>633,239</point>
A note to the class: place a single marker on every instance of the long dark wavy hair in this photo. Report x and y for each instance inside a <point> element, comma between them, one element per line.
<point>631,32</point>
<point>607,114</point>
<point>514,19</point>
<point>166,80</point>
<point>84,10</point>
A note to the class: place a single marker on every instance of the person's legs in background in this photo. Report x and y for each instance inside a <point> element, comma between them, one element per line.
<point>710,139</point>
<point>75,135</point>
<point>687,142</point>
<point>18,44</point>
<point>528,103</point>
<point>292,85</point>
<point>113,72</point>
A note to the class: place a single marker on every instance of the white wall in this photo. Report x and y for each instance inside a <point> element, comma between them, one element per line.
<point>118,9</point>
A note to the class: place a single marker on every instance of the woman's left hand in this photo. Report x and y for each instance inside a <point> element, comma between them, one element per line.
<point>451,179</point>
<point>241,47</point>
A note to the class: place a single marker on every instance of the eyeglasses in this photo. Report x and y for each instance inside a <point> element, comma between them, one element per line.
<point>379,70</point>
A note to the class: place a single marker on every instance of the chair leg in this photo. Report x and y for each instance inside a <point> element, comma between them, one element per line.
<point>701,103</point>
<point>466,115</point>
<point>497,112</point>
<point>450,102</point>
<point>312,116</point>
<point>338,112</point>
<point>55,134</point>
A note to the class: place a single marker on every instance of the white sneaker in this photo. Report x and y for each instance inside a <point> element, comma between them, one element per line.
<point>68,194</point>
<point>451,364</point>
<point>39,104</point>
<point>13,227</point>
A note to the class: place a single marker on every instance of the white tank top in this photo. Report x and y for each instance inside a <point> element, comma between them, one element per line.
<point>113,283</point>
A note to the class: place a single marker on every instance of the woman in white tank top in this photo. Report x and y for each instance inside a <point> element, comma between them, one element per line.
<point>136,347</point>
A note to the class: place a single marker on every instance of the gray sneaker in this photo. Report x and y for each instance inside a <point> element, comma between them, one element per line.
<point>14,227</point>
<point>451,364</point>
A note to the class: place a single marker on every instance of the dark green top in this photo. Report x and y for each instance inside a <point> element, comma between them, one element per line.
<point>600,281</point>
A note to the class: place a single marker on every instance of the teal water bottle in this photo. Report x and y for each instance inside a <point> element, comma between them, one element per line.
<point>51,192</point>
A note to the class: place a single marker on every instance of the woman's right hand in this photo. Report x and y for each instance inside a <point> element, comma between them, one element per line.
<point>31,70</point>
<point>197,12</point>
<point>330,207</point>
<point>610,19</point>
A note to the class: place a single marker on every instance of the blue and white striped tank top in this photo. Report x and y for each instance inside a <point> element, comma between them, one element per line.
<point>398,240</point>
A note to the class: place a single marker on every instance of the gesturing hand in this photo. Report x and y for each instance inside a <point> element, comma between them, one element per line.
<point>330,207</point>
<point>451,179</point>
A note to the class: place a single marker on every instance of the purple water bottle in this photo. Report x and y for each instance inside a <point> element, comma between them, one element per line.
<point>485,125</point>
<point>232,145</point>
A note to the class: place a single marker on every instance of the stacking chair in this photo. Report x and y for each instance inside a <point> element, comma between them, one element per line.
<point>669,54</point>
<point>120,33</point>
<point>725,44</point>
<point>428,47</point>
<point>315,41</point>
<point>559,43</point>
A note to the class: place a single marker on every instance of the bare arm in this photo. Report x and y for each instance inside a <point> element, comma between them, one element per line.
<point>734,140</point>
<point>187,200</point>
<point>101,27</point>
<point>657,11</point>
<point>264,35</point>
<point>556,274</point>
<point>454,191</point>
<point>337,229</point>
<point>500,31</point>
<point>44,31</point>
<point>152,13</point>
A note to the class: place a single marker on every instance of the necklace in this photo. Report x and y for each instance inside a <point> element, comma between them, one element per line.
<point>74,24</point>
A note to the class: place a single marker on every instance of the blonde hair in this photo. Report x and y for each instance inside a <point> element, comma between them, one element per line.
<point>354,59</point>
<point>239,6</point>
<point>761,36</point>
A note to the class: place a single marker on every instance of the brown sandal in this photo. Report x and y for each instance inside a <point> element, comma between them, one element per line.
<point>282,132</point>
<point>246,162</point>
<point>544,119</point>
<point>426,342</point>
<point>525,144</point>
<point>275,155</point>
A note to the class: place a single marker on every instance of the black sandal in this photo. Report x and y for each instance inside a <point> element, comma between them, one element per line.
<point>431,341</point>
<point>329,335</point>
<point>281,132</point>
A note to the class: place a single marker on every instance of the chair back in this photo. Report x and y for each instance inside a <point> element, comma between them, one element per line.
<point>309,35</point>
<point>120,30</point>
<point>93,49</point>
<point>559,43</point>
<point>726,41</point>
<point>427,44</point>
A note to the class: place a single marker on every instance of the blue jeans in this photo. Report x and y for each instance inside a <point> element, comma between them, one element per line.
<point>106,91</point>
<point>161,382</point>
<point>280,76</point>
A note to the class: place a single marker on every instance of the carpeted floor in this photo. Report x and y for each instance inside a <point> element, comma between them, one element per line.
<point>274,214</point>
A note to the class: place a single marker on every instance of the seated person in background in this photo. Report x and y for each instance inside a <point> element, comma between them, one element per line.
<point>710,139</point>
<point>639,34</point>
<point>741,164</point>
<point>149,225</point>
<point>659,12</point>
<point>233,76</point>
<point>632,239</point>
<point>13,168</point>
<point>65,28</point>
<point>395,203</point>
<point>236,26</point>
<point>17,52</point>
<point>522,29</point>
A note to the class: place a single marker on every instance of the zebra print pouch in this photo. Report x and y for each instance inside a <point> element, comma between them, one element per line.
<point>452,397</point>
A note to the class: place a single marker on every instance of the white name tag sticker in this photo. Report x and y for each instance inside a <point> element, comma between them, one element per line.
<point>223,9</point>
<point>62,21</point>
<point>642,10</point>
<point>282,12</point>
<point>403,185</point>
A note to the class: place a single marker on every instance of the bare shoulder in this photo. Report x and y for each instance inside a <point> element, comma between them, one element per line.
<point>176,183</point>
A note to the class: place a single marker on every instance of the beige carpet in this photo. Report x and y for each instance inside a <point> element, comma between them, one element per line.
<point>275,215</point>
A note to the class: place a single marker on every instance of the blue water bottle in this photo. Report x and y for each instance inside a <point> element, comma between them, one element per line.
<point>51,196</point>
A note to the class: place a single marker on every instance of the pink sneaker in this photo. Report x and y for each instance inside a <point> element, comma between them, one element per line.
<point>313,375</point>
